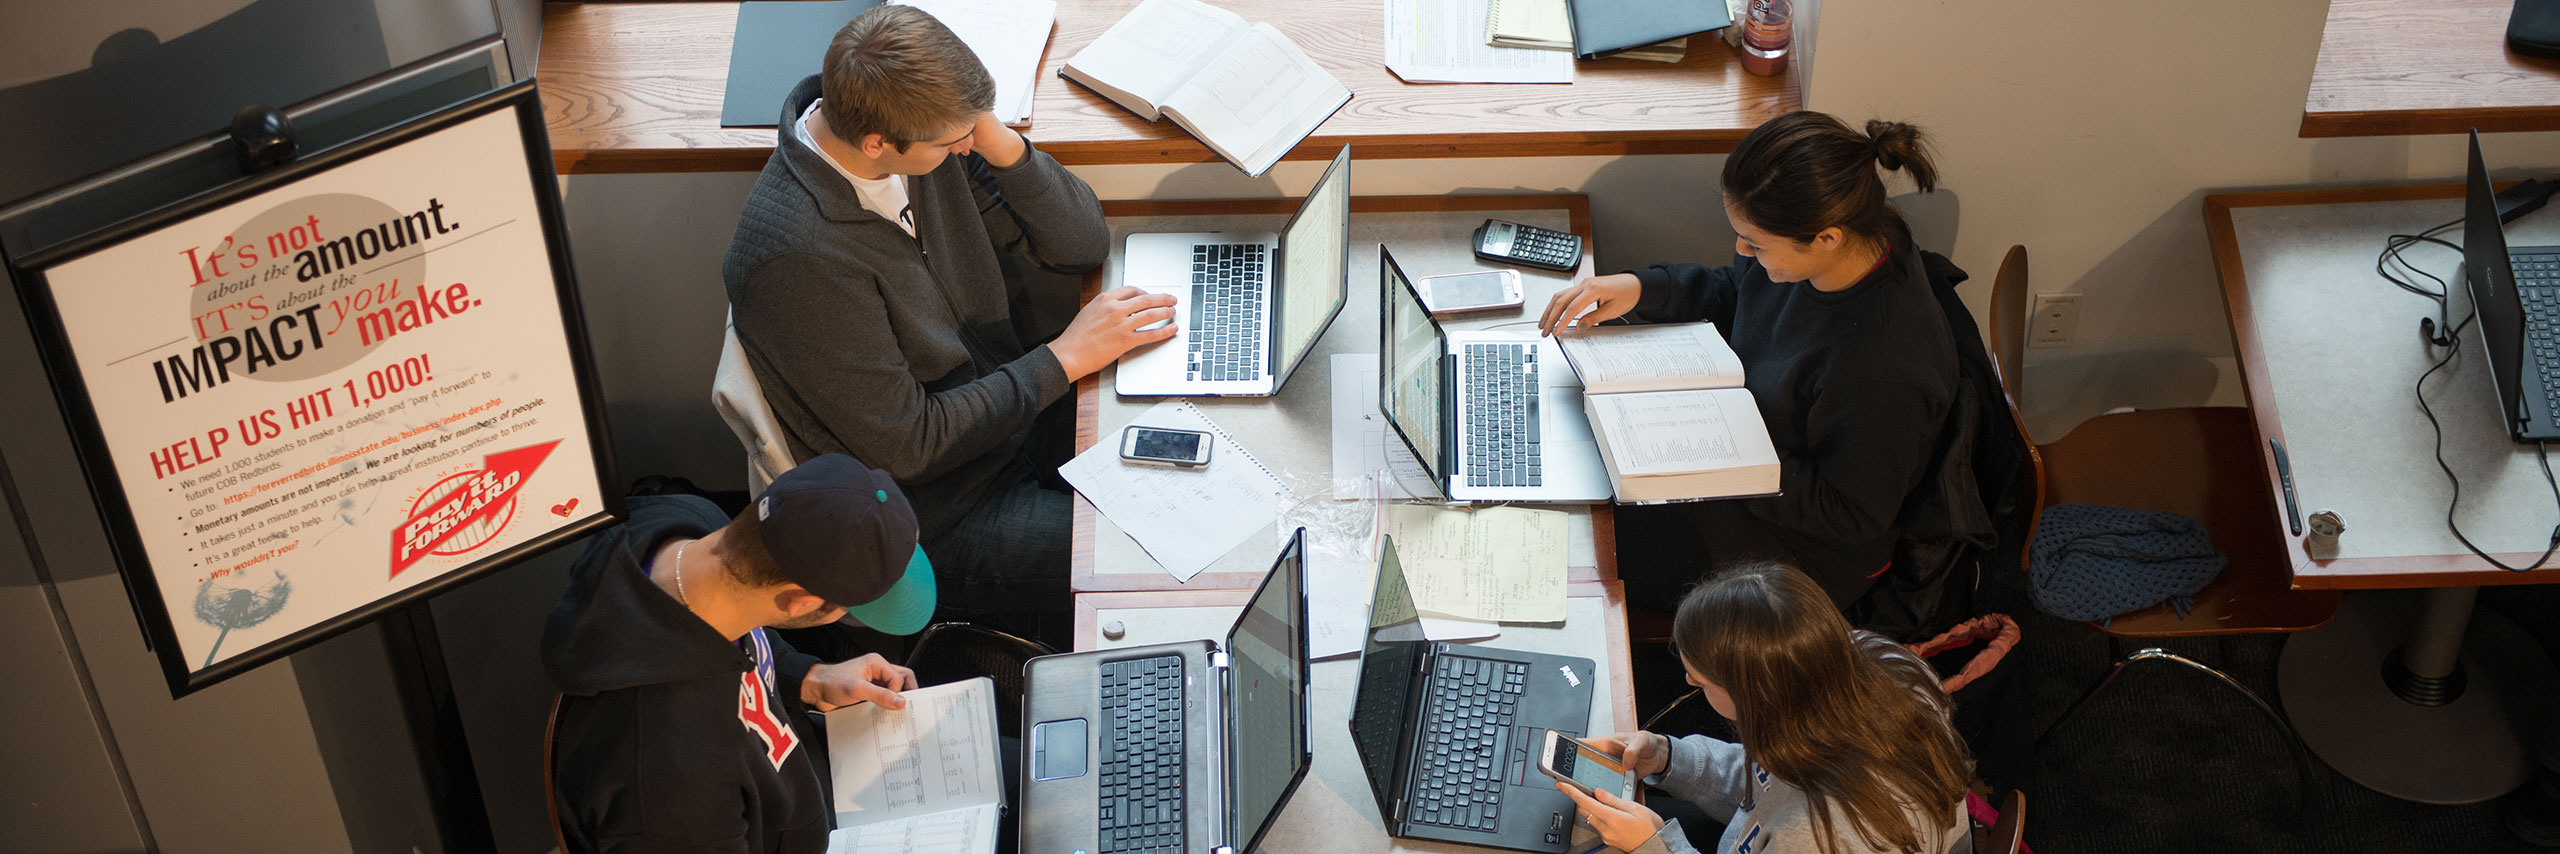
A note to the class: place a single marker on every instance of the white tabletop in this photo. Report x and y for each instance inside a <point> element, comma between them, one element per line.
<point>1333,810</point>
<point>2342,351</point>
<point>1290,433</point>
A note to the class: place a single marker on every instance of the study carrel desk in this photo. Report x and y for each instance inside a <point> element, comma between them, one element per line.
<point>1290,433</point>
<point>636,87</point>
<point>2329,352</point>
<point>2390,67</point>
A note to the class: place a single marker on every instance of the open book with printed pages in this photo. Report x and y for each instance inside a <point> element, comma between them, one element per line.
<point>926,779</point>
<point>1244,89</point>
<point>1667,405</point>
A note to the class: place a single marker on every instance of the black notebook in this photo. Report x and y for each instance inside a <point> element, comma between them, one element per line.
<point>1603,27</point>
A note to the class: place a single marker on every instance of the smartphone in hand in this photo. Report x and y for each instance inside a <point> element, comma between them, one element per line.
<point>1576,763</point>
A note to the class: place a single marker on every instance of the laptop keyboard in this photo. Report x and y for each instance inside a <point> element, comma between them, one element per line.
<point>1466,743</point>
<point>1226,312</point>
<point>1141,784</point>
<point>2538,287</point>
<point>1502,415</point>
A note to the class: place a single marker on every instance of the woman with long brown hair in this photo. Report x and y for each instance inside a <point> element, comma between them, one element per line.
<point>1843,346</point>
<point>1845,745</point>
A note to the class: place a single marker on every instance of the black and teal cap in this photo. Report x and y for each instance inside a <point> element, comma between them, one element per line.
<point>845,532</point>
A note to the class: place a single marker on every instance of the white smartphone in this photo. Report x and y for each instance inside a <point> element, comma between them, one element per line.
<point>1578,764</point>
<point>1156,446</point>
<point>1457,292</point>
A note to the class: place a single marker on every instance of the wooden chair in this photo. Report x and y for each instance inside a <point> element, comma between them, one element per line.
<point>550,753</point>
<point>2008,834</point>
<point>2202,462</point>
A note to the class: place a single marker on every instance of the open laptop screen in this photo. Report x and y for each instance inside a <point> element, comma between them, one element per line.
<point>1315,268</point>
<point>2493,288</point>
<point>1267,657</point>
<point>1409,366</point>
<point>1386,675</point>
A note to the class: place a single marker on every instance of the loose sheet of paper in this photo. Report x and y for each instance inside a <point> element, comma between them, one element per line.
<point>1498,563</point>
<point>1442,41</point>
<point>915,779</point>
<point>1008,36</point>
<point>1342,575</point>
<point>1185,518</point>
<point>1369,462</point>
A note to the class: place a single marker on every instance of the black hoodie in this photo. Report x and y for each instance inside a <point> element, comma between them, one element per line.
<point>670,739</point>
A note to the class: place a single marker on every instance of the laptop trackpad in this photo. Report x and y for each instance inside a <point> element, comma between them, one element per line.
<point>1057,749</point>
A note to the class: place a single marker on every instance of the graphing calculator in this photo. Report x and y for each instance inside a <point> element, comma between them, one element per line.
<point>1528,246</point>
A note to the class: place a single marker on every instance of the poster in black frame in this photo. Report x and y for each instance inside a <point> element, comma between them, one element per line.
<point>346,376</point>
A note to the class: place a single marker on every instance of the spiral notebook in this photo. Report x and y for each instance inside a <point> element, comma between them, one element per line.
<point>1185,518</point>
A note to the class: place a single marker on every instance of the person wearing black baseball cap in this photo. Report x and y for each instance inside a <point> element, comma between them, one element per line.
<point>680,721</point>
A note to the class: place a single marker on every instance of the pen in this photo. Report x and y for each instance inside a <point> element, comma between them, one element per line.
<point>2284,475</point>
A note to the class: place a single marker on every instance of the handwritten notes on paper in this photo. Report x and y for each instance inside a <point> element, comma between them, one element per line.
<point>1185,518</point>
<point>923,779</point>
<point>1498,563</point>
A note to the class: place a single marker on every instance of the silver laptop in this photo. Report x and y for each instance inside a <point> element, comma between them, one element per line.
<point>1489,415</point>
<point>1250,306</point>
<point>1172,747</point>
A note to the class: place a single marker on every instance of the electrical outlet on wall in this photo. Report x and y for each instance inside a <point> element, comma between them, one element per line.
<point>2056,320</point>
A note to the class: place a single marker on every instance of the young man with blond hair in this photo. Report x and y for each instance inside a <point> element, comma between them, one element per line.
<point>871,307</point>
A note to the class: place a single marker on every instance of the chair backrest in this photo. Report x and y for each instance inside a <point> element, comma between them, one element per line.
<point>950,652</point>
<point>2008,355</point>
<point>739,399</point>
<point>550,755</point>
<point>2009,833</point>
<point>2009,320</point>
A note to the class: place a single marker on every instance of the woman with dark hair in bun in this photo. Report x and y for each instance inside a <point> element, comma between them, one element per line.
<point>1844,345</point>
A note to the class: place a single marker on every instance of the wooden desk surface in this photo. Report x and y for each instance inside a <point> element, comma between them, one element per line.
<point>636,87</point>
<point>2394,457</point>
<point>1082,574</point>
<point>2389,67</point>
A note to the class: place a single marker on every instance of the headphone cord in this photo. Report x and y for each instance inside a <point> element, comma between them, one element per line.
<point>2451,341</point>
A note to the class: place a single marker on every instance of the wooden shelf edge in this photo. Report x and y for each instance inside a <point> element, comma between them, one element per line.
<point>2325,125</point>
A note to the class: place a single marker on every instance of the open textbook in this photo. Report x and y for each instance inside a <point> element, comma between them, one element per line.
<point>920,780</point>
<point>1667,404</point>
<point>1244,89</point>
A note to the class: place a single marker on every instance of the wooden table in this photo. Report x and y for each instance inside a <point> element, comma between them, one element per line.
<point>2389,67</point>
<point>1333,810</point>
<point>636,87</point>
<point>2330,353</point>
<point>1302,410</point>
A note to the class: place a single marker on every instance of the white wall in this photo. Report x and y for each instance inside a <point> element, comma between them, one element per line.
<point>2091,132</point>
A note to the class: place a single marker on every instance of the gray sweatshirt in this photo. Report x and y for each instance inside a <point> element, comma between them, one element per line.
<point>901,351</point>
<point>1712,773</point>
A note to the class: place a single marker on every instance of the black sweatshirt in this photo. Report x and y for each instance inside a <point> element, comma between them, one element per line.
<point>671,738</point>
<point>901,351</point>
<point>1854,384</point>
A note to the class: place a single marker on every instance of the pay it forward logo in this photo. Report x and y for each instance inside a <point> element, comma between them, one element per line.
<point>467,509</point>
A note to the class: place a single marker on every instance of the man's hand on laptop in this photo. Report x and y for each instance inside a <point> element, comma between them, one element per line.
<point>869,679</point>
<point>1109,326</point>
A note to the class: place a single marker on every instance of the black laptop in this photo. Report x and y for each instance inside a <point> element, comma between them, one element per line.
<point>1172,747</point>
<point>1446,731</point>
<point>2516,291</point>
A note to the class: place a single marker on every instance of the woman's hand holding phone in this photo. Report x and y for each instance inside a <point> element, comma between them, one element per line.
<point>1644,753</point>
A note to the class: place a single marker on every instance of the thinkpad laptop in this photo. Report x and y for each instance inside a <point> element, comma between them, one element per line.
<point>1447,732</point>
<point>1249,306</point>
<point>1490,415</point>
<point>1172,747</point>
<point>2517,294</point>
